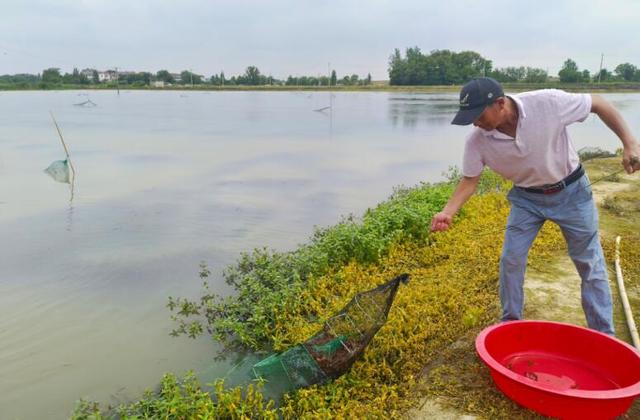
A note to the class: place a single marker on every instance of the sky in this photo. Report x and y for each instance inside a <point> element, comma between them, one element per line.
<point>304,37</point>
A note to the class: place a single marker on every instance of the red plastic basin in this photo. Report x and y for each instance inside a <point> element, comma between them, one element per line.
<point>561,370</point>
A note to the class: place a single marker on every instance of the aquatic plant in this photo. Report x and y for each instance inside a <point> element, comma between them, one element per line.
<point>185,399</point>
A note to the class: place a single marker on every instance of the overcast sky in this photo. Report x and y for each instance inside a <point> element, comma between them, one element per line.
<point>283,37</point>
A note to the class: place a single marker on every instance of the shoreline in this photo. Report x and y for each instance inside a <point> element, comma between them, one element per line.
<point>516,87</point>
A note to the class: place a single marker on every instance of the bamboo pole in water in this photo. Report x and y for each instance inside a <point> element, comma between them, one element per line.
<point>625,300</point>
<point>66,151</point>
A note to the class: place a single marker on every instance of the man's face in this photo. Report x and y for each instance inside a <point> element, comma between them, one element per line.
<point>492,116</point>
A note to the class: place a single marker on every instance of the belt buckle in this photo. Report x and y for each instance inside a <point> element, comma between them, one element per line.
<point>553,188</point>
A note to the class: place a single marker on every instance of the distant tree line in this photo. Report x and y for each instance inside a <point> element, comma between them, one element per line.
<point>519,74</point>
<point>439,67</point>
<point>445,67</point>
<point>251,77</point>
<point>348,80</point>
<point>19,78</point>
<point>570,73</point>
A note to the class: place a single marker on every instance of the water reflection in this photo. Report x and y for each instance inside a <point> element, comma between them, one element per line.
<point>411,110</point>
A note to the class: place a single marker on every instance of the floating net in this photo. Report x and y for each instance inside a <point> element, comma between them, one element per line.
<point>331,352</point>
<point>87,104</point>
<point>59,171</point>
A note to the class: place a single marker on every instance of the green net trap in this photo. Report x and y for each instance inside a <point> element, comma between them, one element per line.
<point>330,353</point>
<point>59,171</point>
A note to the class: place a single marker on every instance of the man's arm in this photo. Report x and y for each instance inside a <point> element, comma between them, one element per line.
<point>465,189</point>
<point>612,118</point>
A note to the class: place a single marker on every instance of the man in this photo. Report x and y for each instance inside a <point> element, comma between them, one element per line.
<point>524,138</point>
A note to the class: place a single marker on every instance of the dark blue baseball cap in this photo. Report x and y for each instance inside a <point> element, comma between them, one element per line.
<point>475,96</point>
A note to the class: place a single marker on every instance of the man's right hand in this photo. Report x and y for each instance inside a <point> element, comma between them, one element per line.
<point>630,159</point>
<point>441,221</point>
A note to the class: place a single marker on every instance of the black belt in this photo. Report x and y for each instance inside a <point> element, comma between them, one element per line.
<point>558,186</point>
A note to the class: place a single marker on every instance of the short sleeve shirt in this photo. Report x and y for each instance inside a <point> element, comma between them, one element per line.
<point>542,152</point>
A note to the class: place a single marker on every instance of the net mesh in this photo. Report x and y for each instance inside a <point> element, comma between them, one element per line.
<point>59,171</point>
<point>331,352</point>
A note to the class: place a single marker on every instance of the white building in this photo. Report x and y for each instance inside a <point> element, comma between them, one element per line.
<point>107,76</point>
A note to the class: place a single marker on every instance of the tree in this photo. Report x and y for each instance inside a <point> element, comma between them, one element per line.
<point>569,72</point>
<point>141,78</point>
<point>535,75</point>
<point>440,67</point>
<point>185,77</point>
<point>95,77</point>
<point>164,76</point>
<point>397,68</point>
<point>415,67</point>
<point>252,76</point>
<point>469,64</point>
<point>75,77</point>
<point>334,78</point>
<point>51,75</point>
<point>510,74</point>
<point>627,71</point>
<point>603,76</point>
<point>22,79</point>
<point>188,77</point>
<point>146,77</point>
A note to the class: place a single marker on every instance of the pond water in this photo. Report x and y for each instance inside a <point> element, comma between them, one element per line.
<point>166,180</point>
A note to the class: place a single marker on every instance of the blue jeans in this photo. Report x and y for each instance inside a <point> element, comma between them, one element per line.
<point>573,209</point>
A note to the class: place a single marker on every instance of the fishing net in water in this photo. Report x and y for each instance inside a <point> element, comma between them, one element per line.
<point>87,104</point>
<point>59,171</point>
<point>331,352</point>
